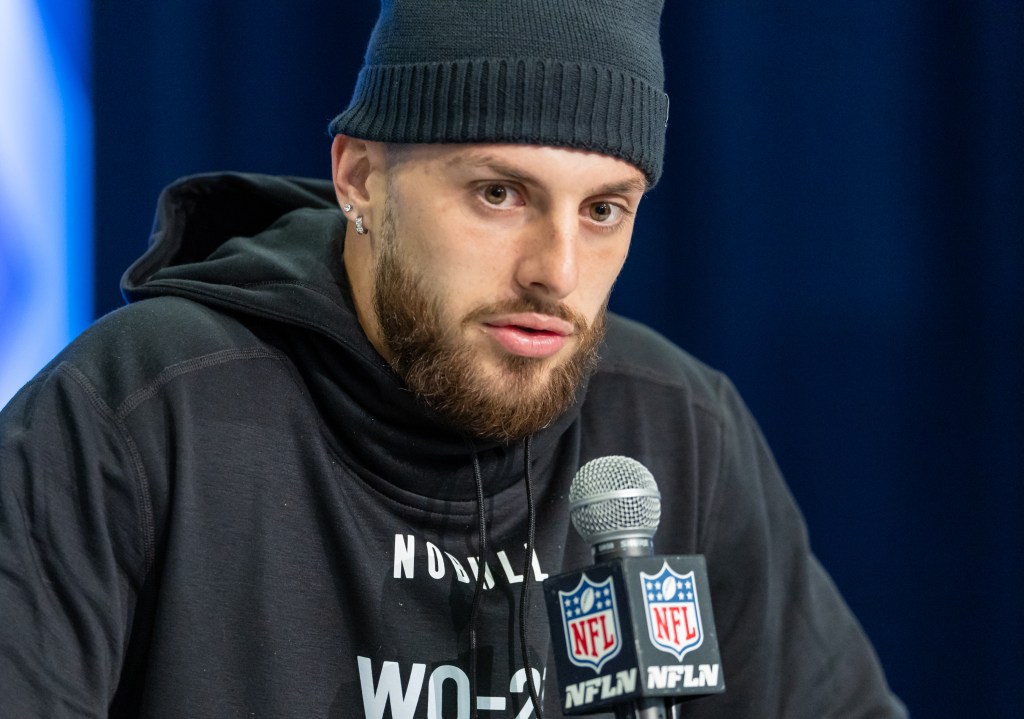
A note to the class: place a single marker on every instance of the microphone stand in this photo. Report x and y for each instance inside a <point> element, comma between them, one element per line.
<point>642,708</point>
<point>648,709</point>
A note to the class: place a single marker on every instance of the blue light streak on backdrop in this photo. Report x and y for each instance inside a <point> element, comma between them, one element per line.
<point>45,183</point>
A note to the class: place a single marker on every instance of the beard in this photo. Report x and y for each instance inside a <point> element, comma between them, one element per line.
<point>446,372</point>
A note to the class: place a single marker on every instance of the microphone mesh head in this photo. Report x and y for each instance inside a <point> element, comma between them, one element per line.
<point>614,497</point>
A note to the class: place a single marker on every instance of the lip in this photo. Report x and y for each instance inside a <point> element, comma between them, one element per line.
<point>529,334</point>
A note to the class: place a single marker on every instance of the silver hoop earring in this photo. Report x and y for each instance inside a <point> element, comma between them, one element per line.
<point>347,208</point>
<point>360,230</point>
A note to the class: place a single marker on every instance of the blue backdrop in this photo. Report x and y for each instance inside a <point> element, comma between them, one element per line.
<point>45,183</point>
<point>840,228</point>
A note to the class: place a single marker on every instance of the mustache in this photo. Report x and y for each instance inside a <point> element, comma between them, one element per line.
<point>530,304</point>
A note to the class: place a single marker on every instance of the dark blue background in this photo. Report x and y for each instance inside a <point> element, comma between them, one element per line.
<point>840,228</point>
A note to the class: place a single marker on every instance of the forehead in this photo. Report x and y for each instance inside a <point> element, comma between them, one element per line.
<point>540,165</point>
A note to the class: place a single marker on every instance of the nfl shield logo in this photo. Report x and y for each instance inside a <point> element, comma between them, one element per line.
<point>590,620</point>
<point>673,617</point>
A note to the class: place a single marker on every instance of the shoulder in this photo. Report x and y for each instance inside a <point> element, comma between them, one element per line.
<point>638,355</point>
<point>650,399</point>
<point>141,346</point>
<point>649,393</point>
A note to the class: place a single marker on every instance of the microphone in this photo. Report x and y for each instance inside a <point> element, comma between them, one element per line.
<point>615,505</point>
<point>632,633</point>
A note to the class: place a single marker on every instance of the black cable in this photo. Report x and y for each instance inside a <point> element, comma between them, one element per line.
<point>531,520</point>
<point>474,612</point>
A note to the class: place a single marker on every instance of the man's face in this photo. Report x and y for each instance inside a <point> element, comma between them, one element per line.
<point>492,267</point>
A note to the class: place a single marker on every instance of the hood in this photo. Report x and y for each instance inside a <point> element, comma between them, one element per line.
<point>268,250</point>
<point>227,240</point>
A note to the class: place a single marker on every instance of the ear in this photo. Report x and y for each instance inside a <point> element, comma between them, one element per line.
<point>350,159</point>
<point>359,180</point>
<point>360,171</point>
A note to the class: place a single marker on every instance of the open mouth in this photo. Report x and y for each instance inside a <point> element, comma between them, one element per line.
<point>527,340</point>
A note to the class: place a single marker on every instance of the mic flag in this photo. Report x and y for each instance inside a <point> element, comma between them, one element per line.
<point>632,628</point>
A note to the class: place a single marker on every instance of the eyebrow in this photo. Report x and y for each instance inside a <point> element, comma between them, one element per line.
<point>625,187</point>
<point>490,162</point>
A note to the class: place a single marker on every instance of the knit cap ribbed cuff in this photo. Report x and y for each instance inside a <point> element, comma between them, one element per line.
<point>531,101</point>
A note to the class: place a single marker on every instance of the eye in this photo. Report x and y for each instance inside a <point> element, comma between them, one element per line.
<point>495,194</point>
<point>604,212</point>
<point>499,196</point>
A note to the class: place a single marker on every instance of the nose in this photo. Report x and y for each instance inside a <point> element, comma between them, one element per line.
<point>548,263</point>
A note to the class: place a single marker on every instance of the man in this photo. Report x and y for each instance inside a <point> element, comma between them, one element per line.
<point>309,470</point>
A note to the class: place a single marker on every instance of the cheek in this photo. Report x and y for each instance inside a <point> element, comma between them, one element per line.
<point>456,284</point>
<point>604,270</point>
<point>472,263</point>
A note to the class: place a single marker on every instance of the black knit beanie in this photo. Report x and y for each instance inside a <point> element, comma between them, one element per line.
<point>573,73</point>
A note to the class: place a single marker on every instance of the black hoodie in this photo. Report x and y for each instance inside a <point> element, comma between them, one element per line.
<point>219,501</point>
